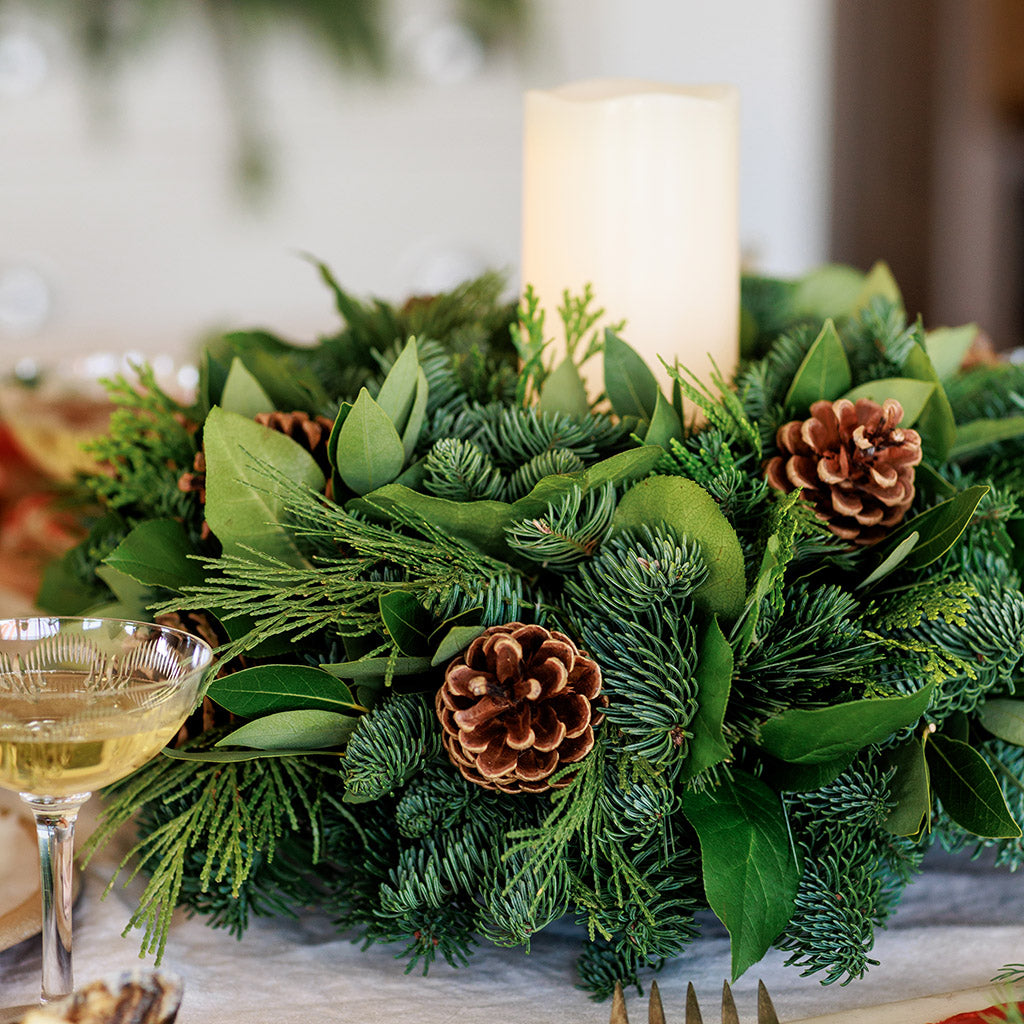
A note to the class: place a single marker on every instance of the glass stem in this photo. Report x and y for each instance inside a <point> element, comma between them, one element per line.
<point>55,830</point>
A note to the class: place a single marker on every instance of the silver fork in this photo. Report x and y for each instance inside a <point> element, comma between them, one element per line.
<point>656,1014</point>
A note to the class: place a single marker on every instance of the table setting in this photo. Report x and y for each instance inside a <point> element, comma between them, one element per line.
<point>491,657</point>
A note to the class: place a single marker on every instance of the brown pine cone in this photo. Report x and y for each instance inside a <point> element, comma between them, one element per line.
<point>208,715</point>
<point>852,463</point>
<point>194,482</point>
<point>519,704</point>
<point>312,432</point>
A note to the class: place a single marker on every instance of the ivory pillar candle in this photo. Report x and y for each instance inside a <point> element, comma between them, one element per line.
<point>633,186</point>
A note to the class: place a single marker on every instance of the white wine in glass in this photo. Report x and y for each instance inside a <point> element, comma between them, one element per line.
<point>83,703</point>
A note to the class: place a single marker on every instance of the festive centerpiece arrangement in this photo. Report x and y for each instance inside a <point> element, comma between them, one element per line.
<point>494,651</point>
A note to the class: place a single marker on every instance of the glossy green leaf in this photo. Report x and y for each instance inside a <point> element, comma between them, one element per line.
<point>814,735</point>
<point>243,393</point>
<point>398,392</point>
<point>910,788</point>
<point>264,688</point>
<point>708,745</point>
<point>936,423</point>
<point>132,599</point>
<point>455,640</point>
<point>938,527</point>
<point>977,434</point>
<point>930,482</point>
<point>155,553</point>
<point>564,392</point>
<point>370,452</point>
<point>665,424</point>
<point>1004,717</point>
<point>417,416</point>
<point>687,508</point>
<point>823,374</point>
<point>407,621</point>
<point>969,792</point>
<point>372,668</point>
<point>879,284</point>
<point>947,347</point>
<point>912,394</point>
<point>750,868</point>
<point>892,561</point>
<point>629,383</point>
<point>244,505</point>
<point>828,291</point>
<point>232,756</point>
<point>293,730</point>
<point>787,777</point>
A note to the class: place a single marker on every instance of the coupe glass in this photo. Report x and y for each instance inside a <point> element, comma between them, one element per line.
<point>84,702</point>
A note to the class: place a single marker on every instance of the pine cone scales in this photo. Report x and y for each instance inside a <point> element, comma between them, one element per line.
<point>519,704</point>
<point>853,463</point>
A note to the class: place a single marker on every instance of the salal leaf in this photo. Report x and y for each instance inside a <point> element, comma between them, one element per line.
<point>936,423</point>
<point>947,347</point>
<point>293,730</point>
<point>892,561</point>
<point>665,423</point>
<point>564,392</point>
<point>938,528</point>
<point>244,506</point>
<point>232,756</point>
<point>879,284</point>
<point>970,794</point>
<point>910,787</point>
<point>978,434</point>
<point>398,392</point>
<point>1004,717</point>
<point>750,868</point>
<point>629,383</point>
<point>823,374</point>
<point>455,640</point>
<point>690,511</point>
<point>373,668</point>
<point>369,450</point>
<point>828,291</point>
<point>708,745</point>
<point>407,621</point>
<point>243,393</point>
<point>815,735</point>
<point>155,553</point>
<point>912,394</point>
<point>417,416</point>
<point>264,688</point>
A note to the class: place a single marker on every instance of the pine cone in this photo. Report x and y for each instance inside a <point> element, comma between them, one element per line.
<point>853,463</point>
<point>312,432</point>
<point>520,703</point>
<point>208,715</point>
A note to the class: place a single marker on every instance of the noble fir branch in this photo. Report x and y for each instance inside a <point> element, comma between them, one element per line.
<point>460,471</point>
<point>568,532</point>
<point>519,902</point>
<point>390,744</point>
<point>878,340</point>
<point>223,819</point>
<point>548,463</point>
<point>854,871</point>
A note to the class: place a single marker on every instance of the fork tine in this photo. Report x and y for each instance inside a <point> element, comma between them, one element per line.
<point>765,1010</point>
<point>619,1015</point>
<point>692,1006</point>
<point>655,1011</point>
<point>729,1014</point>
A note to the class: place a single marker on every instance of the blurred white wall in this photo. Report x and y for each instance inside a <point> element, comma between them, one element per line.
<point>130,233</point>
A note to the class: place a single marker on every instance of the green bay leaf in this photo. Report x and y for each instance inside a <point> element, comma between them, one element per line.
<point>629,383</point>
<point>972,437</point>
<point>564,392</point>
<point>1004,717</point>
<point>265,688</point>
<point>910,787</point>
<point>244,505</point>
<point>750,869</point>
<point>938,528</point>
<point>243,393</point>
<point>969,792</point>
<point>816,735</point>
<point>708,745</point>
<point>369,450</point>
<point>293,730</point>
<point>824,373</point>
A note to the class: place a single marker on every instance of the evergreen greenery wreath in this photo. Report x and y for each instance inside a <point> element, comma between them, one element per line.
<point>493,653</point>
